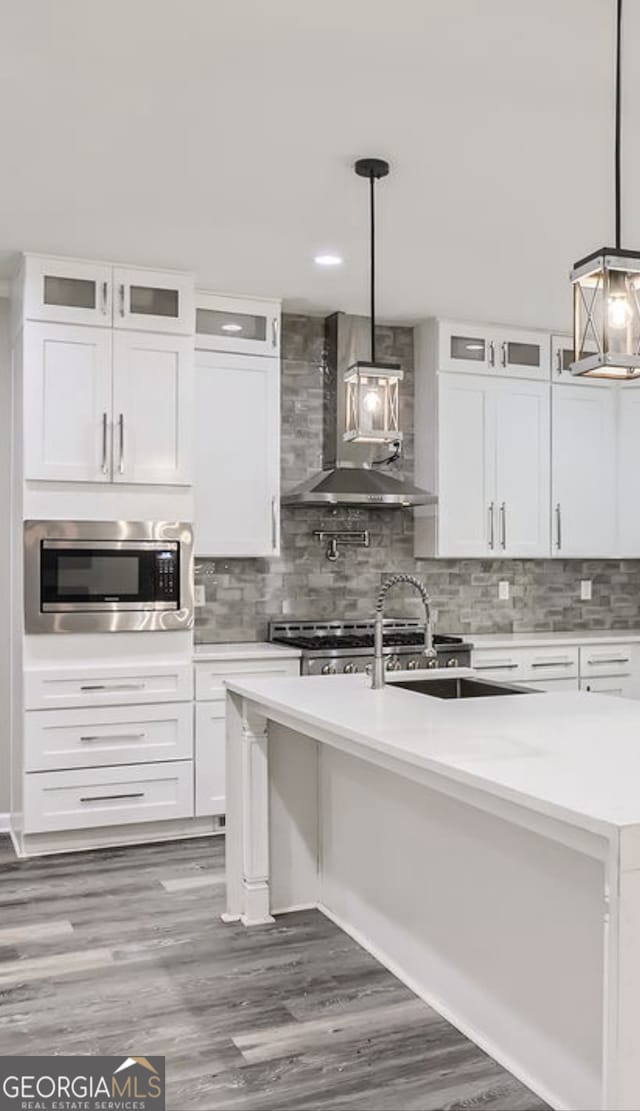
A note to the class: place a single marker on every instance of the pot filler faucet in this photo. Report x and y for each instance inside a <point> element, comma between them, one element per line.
<point>377,674</point>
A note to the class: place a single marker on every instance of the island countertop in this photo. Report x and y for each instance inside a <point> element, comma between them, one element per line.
<point>573,756</point>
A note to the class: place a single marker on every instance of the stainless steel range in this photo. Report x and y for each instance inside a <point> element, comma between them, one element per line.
<point>336,647</point>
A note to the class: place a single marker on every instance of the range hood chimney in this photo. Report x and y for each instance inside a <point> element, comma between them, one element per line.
<point>351,474</point>
<point>353,468</point>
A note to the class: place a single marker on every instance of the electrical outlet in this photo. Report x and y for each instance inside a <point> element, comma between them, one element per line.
<point>503,590</point>
<point>199,595</point>
<point>585,590</point>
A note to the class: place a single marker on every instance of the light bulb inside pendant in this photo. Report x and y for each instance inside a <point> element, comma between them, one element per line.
<point>618,311</point>
<point>371,401</point>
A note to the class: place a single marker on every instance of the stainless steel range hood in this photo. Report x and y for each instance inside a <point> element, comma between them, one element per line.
<point>349,475</point>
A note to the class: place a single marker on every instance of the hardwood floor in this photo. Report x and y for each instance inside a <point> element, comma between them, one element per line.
<point>123,951</point>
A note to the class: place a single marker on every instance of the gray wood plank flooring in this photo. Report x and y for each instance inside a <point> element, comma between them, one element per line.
<point>123,951</point>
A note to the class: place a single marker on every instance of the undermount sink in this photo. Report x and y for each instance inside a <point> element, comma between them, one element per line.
<point>458,686</point>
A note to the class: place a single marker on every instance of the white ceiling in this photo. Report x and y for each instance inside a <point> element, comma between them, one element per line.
<point>218,136</point>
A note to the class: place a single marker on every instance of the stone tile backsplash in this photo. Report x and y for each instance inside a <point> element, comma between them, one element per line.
<point>243,594</point>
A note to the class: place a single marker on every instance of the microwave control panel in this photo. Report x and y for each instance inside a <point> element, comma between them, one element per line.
<point>167,575</point>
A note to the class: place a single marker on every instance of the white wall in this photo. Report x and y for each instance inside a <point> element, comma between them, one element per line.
<point>5,519</point>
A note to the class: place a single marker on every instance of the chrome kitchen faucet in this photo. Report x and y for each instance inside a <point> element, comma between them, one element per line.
<point>377,674</point>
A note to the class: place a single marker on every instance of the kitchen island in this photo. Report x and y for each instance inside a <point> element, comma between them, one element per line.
<point>487,851</point>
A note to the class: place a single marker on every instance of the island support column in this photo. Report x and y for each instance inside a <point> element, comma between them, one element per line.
<point>247,790</point>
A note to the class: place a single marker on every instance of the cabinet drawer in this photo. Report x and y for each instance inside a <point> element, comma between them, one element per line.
<point>492,663</point>
<point>107,796</point>
<point>612,659</point>
<point>210,758</point>
<point>550,663</point>
<point>211,677</point>
<point>56,739</point>
<point>616,685</point>
<point>72,687</point>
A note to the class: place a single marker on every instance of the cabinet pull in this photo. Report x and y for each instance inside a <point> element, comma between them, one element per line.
<point>114,737</point>
<point>121,296</point>
<point>274,523</point>
<point>494,667</point>
<point>111,798</point>
<point>503,525</point>
<point>274,332</point>
<point>558,527</point>
<point>104,298</point>
<point>103,467</point>
<point>608,660</point>
<point>553,663</point>
<point>112,687</point>
<point>492,530</point>
<point>492,353</point>
<point>121,443</point>
<point>559,361</point>
<point>503,348</point>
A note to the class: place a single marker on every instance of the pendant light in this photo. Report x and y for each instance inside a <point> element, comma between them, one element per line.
<point>606,285</point>
<point>372,404</point>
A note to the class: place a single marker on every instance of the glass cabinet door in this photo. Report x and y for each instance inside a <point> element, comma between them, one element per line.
<point>561,360</point>
<point>67,292</point>
<point>466,347</point>
<point>522,354</point>
<point>233,324</point>
<point>149,300</point>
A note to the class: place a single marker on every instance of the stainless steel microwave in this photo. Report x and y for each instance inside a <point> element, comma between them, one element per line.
<point>107,576</point>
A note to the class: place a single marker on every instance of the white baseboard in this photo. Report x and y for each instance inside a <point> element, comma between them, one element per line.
<point>4,823</point>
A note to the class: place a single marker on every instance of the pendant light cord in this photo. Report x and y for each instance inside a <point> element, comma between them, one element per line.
<point>618,135</point>
<point>372,233</point>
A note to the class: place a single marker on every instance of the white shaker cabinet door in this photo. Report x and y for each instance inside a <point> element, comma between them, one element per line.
<point>522,468</point>
<point>237,455</point>
<point>210,758</point>
<point>152,408</point>
<point>584,490</point>
<point>467,525</point>
<point>67,291</point>
<point>628,469</point>
<point>153,301</point>
<point>67,402</point>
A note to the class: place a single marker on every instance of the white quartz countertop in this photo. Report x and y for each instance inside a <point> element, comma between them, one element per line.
<point>244,650</point>
<point>572,756</point>
<point>549,640</point>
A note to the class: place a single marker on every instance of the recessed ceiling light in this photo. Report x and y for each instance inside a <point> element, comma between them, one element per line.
<point>327,260</point>
<point>232,327</point>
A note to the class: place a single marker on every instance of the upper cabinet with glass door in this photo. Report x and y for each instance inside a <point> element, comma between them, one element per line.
<point>74,291</point>
<point>246,326</point>
<point>561,359</point>
<point>492,349</point>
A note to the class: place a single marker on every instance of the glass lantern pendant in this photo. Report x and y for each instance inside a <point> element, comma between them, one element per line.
<point>606,288</point>
<point>372,403</point>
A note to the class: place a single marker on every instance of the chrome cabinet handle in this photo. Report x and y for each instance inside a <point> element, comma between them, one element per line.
<point>558,527</point>
<point>104,298</point>
<point>503,525</point>
<point>121,295</point>
<point>494,667</point>
<point>112,687</point>
<point>121,442</point>
<point>274,332</point>
<point>274,523</point>
<point>559,361</point>
<point>503,347</point>
<point>492,353</point>
<point>553,663</point>
<point>492,536</point>
<point>114,737</point>
<point>609,660</point>
<point>110,798</point>
<point>103,467</point>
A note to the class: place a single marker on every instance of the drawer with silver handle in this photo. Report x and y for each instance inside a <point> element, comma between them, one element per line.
<point>88,738</point>
<point>50,688</point>
<point>611,659</point>
<point>210,677</point>
<point>107,796</point>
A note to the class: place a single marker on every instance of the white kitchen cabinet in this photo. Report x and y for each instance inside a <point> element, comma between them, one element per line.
<point>482,348</point>
<point>621,686</point>
<point>210,758</point>
<point>67,402</point>
<point>152,408</point>
<point>68,291</point>
<point>493,467</point>
<point>584,488</point>
<point>153,301</point>
<point>244,326</point>
<point>103,406</point>
<point>237,455</point>
<point>628,467</point>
